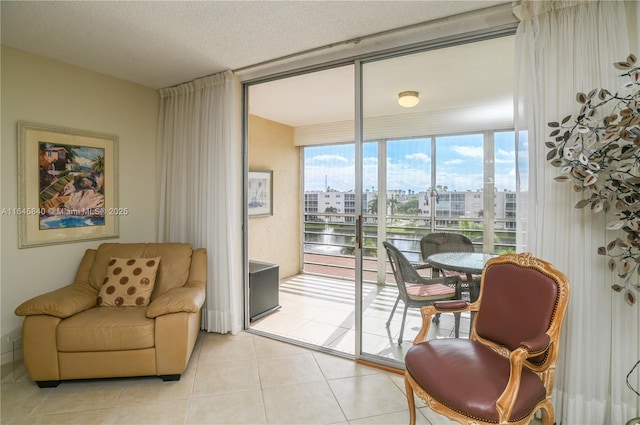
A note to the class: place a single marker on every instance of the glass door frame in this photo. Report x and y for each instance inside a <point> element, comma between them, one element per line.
<point>358,62</point>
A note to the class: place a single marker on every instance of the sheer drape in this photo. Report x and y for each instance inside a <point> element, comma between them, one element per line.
<point>197,183</point>
<point>565,47</point>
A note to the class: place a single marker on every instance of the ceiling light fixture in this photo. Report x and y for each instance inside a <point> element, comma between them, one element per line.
<point>408,99</point>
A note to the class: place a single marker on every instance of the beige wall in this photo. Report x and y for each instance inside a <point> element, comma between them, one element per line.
<point>276,239</point>
<point>43,91</point>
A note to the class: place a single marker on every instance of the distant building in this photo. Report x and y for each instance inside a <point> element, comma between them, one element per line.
<point>454,205</point>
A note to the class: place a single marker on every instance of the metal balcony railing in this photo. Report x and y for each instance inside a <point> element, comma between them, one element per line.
<point>330,238</point>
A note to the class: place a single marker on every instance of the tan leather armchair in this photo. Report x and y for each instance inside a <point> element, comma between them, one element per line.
<point>67,335</point>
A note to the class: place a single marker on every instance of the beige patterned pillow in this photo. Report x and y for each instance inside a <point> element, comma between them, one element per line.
<point>129,282</point>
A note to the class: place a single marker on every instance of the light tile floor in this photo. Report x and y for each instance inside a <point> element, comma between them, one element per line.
<point>242,379</point>
<point>319,311</point>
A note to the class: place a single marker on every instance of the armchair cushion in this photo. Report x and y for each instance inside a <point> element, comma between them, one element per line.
<point>62,303</point>
<point>474,362</point>
<point>436,291</point>
<point>129,282</point>
<point>106,329</point>
<point>104,254</point>
<point>171,274</point>
<point>178,300</point>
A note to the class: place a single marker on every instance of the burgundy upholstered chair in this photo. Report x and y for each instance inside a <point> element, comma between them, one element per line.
<point>504,372</point>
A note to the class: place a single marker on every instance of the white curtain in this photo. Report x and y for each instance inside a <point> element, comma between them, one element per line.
<point>197,173</point>
<point>565,47</point>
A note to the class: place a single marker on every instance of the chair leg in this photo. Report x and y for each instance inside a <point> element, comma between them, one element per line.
<point>404,317</point>
<point>457,325</point>
<point>411,401</point>
<point>393,310</point>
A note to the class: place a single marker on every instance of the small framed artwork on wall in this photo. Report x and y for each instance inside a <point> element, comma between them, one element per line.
<point>260,193</point>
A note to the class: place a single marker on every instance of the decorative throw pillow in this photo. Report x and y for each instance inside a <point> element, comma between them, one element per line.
<point>129,282</point>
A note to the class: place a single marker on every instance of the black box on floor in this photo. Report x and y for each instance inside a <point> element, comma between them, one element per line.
<point>263,289</point>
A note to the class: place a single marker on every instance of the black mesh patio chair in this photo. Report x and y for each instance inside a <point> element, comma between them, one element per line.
<point>414,290</point>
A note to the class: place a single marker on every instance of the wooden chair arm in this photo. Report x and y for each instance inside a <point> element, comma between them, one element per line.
<point>530,348</point>
<point>427,313</point>
<point>447,306</point>
<point>507,399</point>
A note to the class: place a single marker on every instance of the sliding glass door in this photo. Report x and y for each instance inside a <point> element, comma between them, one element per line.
<point>437,156</point>
<point>353,167</point>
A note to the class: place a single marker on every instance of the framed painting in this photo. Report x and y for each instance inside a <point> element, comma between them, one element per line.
<point>260,193</point>
<point>67,185</point>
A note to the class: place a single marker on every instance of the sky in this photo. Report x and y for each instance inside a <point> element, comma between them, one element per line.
<point>459,164</point>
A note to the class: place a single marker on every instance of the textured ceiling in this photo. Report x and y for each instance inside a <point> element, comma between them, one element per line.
<point>160,44</point>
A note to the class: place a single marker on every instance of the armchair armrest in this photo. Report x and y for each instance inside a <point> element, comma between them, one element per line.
<point>62,303</point>
<point>450,306</point>
<point>188,299</point>
<point>537,345</point>
<point>447,306</point>
<point>527,349</point>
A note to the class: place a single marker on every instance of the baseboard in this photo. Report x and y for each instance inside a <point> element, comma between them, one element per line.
<point>11,356</point>
<point>11,346</point>
<point>11,365</point>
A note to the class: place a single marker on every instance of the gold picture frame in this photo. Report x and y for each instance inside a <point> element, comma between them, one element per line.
<point>67,185</point>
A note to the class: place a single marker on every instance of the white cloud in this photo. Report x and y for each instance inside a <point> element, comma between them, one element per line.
<point>418,156</point>
<point>328,158</point>
<point>84,162</point>
<point>504,156</point>
<point>469,151</point>
<point>454,162</point>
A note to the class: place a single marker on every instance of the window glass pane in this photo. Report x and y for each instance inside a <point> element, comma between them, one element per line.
<point>459,185</point>
<point>329,168</point>
<point>408,176</point>
<point>505,202</point>
<point>329,206</point>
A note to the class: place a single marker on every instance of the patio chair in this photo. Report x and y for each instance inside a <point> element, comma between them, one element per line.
<point>504,372</point>
<point>414,290</point>
<point>438,242</point>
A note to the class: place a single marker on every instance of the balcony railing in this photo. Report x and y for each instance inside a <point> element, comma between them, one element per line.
<point>329,240</point>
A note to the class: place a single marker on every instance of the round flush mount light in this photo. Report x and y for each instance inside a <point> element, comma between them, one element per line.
<point>408,99</point>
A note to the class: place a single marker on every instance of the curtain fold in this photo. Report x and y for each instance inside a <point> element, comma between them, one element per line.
<point>565,47</point>
<point>196,175</point>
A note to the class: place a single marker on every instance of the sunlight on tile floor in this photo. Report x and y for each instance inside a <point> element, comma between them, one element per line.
<point>319,311</point>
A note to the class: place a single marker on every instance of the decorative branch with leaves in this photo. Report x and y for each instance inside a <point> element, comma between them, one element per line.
<point>599,152</point>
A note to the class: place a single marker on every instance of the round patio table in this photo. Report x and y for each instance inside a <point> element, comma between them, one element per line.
<point>463,262</point>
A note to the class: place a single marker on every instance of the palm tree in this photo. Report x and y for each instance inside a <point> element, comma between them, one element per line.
<point>393,204</point>
<point>330,210</point>
<point>97,166</point>
<point>372,207</point>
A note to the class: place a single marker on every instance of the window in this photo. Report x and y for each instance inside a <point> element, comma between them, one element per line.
<point>457,195</point>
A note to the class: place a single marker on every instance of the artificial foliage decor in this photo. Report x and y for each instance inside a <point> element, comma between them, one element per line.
<point>598,150</point>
